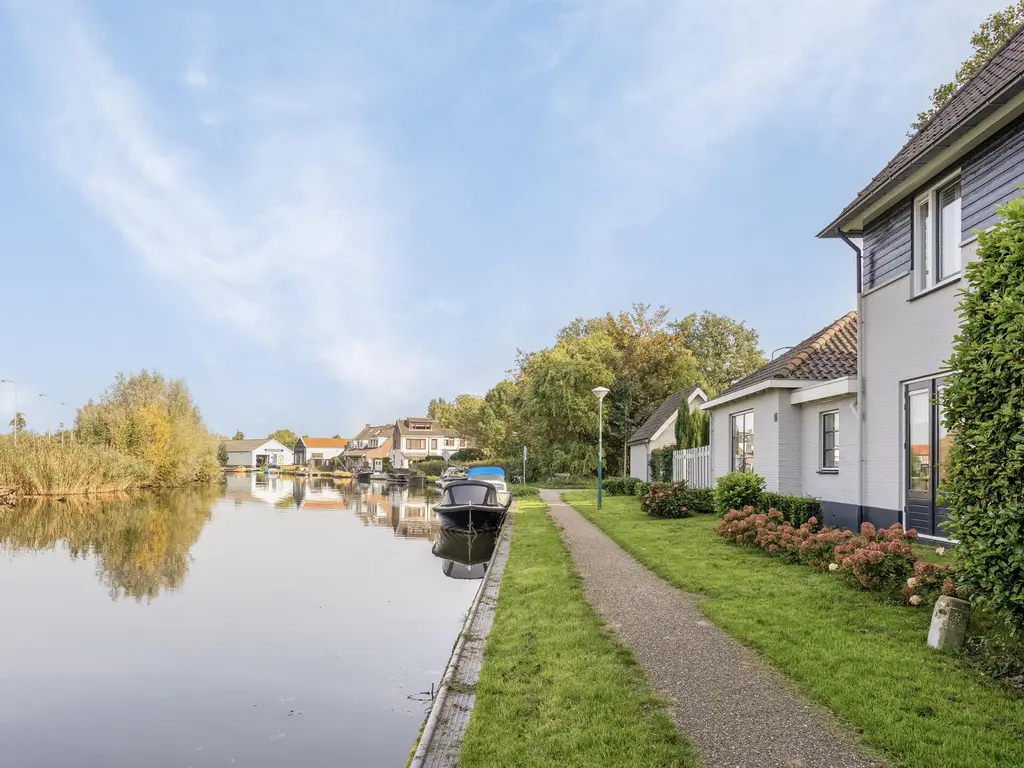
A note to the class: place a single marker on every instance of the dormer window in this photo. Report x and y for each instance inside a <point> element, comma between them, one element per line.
<point>937,229</point>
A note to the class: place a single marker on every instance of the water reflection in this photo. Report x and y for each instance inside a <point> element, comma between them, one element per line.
<point>465,553</point>
<point>273,621</point>
<point>141,545</point>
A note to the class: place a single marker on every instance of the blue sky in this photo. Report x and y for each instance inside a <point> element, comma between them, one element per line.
<point>320,214</point>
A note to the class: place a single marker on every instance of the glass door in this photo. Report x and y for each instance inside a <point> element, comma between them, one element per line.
<point>927,446</point>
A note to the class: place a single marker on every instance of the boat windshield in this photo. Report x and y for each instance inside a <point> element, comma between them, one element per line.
<point>469,494</point>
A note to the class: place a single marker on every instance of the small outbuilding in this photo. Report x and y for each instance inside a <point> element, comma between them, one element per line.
<point>261,452</point>
<point>659,431</point>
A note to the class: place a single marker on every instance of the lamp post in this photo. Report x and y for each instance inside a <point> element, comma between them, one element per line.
<point>10,381</point>
<point>600,392</point>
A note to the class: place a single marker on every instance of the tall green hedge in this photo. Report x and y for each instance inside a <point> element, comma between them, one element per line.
<point>661,464</point>
<point>984,410</point>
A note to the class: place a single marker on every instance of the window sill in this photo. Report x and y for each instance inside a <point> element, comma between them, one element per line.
<point>937,287</point>
<point>828,471</point>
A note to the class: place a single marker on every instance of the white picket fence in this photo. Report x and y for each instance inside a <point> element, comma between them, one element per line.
<point>694,466</point>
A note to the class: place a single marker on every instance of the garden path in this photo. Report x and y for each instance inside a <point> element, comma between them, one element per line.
<point>735,710</point>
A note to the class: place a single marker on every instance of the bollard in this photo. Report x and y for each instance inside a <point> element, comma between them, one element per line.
<point>949,622</point>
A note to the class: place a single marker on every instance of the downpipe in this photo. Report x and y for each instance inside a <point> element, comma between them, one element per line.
<point>861,355</point>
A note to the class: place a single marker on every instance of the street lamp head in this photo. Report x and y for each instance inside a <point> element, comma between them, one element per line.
<point>600,392</point>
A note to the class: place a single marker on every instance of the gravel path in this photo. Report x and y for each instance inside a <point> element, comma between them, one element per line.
<point>734,709</point>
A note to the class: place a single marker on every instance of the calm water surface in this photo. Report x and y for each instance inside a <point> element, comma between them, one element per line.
<point>272,622</point>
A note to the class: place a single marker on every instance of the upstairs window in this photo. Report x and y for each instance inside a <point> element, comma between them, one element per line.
<point>937,230</point>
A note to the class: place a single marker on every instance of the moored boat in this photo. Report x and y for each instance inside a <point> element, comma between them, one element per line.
<point>449,475</point>
<point>470,504</point>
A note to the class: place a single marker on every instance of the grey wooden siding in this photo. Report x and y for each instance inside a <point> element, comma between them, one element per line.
<point>887,250</point>
<point>990,178</point>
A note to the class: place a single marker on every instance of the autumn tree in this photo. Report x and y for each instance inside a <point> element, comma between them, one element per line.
<point>153,419</point>
<point>725,349</point>
<point>993,33</point>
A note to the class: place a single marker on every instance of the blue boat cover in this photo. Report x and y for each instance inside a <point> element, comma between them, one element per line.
<point>486,471</point>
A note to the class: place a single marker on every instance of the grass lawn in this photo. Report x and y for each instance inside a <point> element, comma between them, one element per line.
<point>862,657</point>
<point>556,689</point>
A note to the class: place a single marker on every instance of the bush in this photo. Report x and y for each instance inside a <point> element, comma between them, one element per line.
<point>661,464</point>
<point>666,500</point>
<point>523,490</point>
<point>468,454</point>
<point>796,510</point>
<point>641,488</point>
<point>878,560</point>
<point>983,406</point>
<point>619,486</point>
<point>738,490</point>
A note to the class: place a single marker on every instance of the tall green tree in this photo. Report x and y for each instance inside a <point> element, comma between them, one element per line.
<point>990,37</point>
<point>502,429</point>
<point>558,403</point>
<point>239,435</point>
<point>725,349</point>
<point>286,437</point>
<point>18,422</point>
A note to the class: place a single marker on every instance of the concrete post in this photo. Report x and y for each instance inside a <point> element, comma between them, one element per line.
<point>949,622</point>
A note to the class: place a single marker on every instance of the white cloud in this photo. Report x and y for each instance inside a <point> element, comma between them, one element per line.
<point>287,245</point>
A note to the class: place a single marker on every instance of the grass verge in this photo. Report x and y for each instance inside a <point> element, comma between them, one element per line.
<point>863,658</point>
<point>556,688</point>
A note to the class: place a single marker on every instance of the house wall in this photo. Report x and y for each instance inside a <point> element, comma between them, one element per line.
<point>249,458</point>
<point>990,177</point>
<point>240,459</point>
<point>638,462</point>
<point>887,248</point>
<point>765,405</point>
<point>837,490</point>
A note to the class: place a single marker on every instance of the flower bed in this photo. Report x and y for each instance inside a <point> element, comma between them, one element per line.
<point>877,560</point>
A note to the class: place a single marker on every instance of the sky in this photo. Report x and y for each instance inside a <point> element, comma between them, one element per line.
<point>323,214</point>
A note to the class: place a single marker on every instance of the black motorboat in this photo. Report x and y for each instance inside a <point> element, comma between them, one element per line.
<point>363,473</point>
<point>465,553</point>
<point>398,475</point>
<point>468,504</point>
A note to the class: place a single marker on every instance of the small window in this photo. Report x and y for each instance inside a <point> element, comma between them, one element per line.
<point>830,440</point>
<point>743,442</point>
<point>433,443</point>
<point>937,232</point>
<point>416,443</point>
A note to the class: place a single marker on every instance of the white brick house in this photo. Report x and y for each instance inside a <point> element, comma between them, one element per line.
<point>799,411</point>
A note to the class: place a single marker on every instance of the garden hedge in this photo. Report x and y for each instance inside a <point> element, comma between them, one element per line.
<point>984,409</point>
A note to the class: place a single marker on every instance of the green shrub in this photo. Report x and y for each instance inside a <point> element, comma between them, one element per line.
<point>661,465</point>
<point>984,409</point>
<point>468,454</point>
<point>641,488</point>
<point>620,486</point>
<point>518,490</point>
<point>738,490</point>
<point>701,500</point>
<point>796,510</point>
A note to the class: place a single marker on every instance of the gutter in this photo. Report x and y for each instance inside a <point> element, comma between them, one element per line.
<point>860,376</point>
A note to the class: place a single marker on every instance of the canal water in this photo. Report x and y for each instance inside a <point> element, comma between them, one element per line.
<point>269,622</point>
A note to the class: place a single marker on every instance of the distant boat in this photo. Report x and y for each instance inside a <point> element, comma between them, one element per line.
<point>398,475</point>
<point>493,475</point>
<point>364,473</point>
<point>469,504</point>
<point>449,475</point>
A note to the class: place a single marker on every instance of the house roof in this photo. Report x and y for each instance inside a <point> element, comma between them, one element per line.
<point>831,353</point>
<point>434,430</point>
<point>374,431</point>
<point>996,83</point>
<point>324,442</point>
<point>661,414</point>
<point>241,446</point>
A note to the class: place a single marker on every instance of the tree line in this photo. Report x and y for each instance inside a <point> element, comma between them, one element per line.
<point>545,402</point>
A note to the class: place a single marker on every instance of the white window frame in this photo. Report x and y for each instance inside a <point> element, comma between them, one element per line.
<point>926,264</point>
<point>732,440</point>
<point>821,441</point>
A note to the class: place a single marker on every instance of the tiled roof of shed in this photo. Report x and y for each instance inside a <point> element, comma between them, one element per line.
<point>994,85</point>
<point>831,353</point>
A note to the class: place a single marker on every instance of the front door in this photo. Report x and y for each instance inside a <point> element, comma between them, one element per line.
<point>927,445</point>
